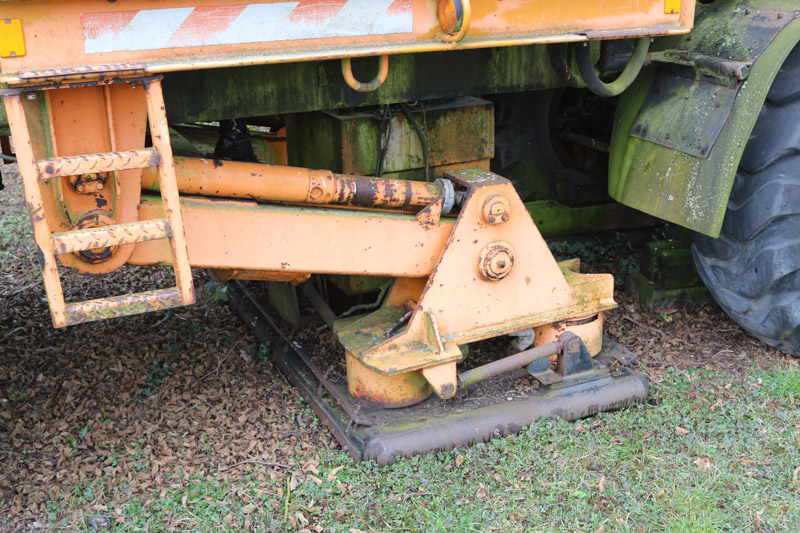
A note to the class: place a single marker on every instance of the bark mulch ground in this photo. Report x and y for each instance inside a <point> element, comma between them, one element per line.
<point>158,400</point>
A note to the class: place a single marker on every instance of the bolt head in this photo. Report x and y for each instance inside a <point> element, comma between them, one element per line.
<point>496,209</point>
<point>496,261</point>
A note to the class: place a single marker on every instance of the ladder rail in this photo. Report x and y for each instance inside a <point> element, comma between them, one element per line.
<point>33,195</point>
<point>93,163</point>
<point>107,236</point>
<point>159,133</point>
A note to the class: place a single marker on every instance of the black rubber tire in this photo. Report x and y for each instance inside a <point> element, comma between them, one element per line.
<point>753,268</point>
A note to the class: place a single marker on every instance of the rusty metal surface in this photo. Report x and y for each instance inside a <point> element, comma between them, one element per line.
<point>530,290</point>
<point>81,39</point>
<point>277,183</point>
<point>471,417</point>
<point>220,234</point>
<point>36,206</point>
<point>95,163</point>
<point>159,135</point>
<point>116,306</point>
<point>606,393</point>
<point>106,236</point>
<point>507,364</point>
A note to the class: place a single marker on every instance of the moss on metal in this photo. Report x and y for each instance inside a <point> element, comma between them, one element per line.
<point>203,95</point>
<point>679,187</point>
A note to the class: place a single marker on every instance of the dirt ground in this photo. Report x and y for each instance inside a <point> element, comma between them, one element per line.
<point>127,398</point>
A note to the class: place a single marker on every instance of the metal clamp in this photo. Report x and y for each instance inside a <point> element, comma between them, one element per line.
<point>365,87</point>
<point>448,195</point>
<point>463,17</point>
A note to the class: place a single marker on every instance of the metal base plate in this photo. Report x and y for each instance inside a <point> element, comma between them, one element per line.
<point>496,407</point>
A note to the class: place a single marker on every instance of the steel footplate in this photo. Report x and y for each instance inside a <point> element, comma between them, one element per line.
<point>471,417</point>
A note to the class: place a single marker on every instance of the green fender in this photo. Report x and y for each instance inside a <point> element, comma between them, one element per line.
<point>681,129</point>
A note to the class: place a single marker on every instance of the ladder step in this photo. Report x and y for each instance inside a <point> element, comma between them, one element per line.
<point>106,236</point>
<point>93,163</point>
<point>130,304</point>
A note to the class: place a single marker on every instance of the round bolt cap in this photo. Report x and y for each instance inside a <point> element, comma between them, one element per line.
<point>496,261</point>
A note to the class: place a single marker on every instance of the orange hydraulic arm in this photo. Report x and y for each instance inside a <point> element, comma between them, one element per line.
<point>296,185</point>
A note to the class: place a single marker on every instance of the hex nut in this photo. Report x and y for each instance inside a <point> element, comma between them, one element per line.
<point>496,209</point>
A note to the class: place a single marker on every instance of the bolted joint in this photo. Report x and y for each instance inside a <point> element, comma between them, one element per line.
<point>88,183</point>
<point>496,209</point>
<point>496,261</point>
<point>569,343</point>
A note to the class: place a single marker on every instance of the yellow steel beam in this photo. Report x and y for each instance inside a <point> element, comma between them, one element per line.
<point>84,39</point>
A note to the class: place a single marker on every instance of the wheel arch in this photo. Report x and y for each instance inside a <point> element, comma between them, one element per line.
<point>656,163</point>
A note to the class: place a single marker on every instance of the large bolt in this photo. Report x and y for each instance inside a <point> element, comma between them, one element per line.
<point>496,261</point>
<point>496,209</point>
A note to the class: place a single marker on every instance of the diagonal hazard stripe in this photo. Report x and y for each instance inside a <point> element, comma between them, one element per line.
<point>153,29</point>
<point>96,23</point>
<point>399,8</point>
<point>316,11</point>
<point>204,24</point>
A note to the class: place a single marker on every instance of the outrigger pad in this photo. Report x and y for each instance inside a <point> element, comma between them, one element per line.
<point>492,408</point>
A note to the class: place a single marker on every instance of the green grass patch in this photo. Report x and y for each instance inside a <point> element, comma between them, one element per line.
<point>709,452</point>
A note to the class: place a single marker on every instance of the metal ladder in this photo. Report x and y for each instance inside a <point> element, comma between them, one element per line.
<point>52,244</point>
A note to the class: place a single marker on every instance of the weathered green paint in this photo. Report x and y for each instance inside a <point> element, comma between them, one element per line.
<point>554,219</point>
<point>458,131</point>
<point>283,298</point>
<point>353,285</point>
<point>200,141</point>
<point>4,129</point>
<point>676,186</point>
<point>669,264</point>
<point>652,297</point>
<point>203,95</point>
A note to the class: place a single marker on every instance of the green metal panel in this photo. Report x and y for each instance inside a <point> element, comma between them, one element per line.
<point>671,180</point>
<point>458,131</point>
<point>204,95</point>
<point>556,220</point>
<point>4,129</point>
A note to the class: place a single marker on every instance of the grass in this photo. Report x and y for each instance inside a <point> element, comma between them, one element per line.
<point>711,451</point>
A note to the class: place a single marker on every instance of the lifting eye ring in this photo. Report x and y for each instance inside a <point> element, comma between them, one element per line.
<point>365,87</point>
<point>455,17</point>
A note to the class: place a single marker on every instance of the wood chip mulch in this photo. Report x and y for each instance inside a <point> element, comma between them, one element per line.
<point>149,402</point>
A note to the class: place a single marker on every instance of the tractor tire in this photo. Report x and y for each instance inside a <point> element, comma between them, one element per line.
<point>753,268</point>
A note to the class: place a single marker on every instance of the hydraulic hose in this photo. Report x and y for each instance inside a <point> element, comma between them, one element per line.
<point>559,64</point>
<point>616,87</point>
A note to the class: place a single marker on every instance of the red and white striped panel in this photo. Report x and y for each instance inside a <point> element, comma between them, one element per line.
<point>153,29</point>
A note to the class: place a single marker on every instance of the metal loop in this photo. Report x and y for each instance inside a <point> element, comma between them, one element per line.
<point>628,76</point>
<point>466,19</point>
<point>365,87</point>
